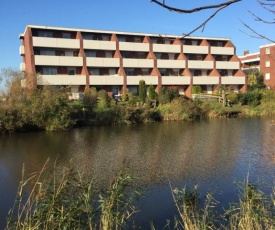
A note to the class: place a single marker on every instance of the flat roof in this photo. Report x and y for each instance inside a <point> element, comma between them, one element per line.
<point>120,32</point>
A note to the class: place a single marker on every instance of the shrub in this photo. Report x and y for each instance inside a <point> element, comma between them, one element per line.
<point>152,94</point>
<point>90,97</point>
<point>196,89</point>
<point>252,98</point>
<point>232,97</point>
<point>142,90</point>
<point>104,99</point>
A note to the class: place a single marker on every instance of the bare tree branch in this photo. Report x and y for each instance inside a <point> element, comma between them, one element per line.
<point>257,18</point>
<point>185,11</point>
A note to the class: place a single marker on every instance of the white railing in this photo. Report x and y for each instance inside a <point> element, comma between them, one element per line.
<point>22,66</point>
<point>133,46</point>
<point>200,64</point>
<point>99,45</point>
<point>106,80</point>
<point>232,80</point>
<point>195,49</point>
<point>166,48</point>
<point>58,60</point>
<point>172,80</point>
<point>222,50</point>
<point>138,63</point>
<point>61,80</point>
<point>171,63</point>
<point>56,42</point>
<point>227,65</point>
<point>102,62</point>
<point>205,80</point>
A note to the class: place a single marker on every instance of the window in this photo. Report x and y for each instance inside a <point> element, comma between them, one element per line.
<point>129,72</point>
<point>267,76</point>
<point>197,73</point>
<point>219,44</point>
<point>162,72</point>
<point>267,63</point>
<point>158,55</point>
<point>69,53</point>
<point>122,39</point>
<point>90,53</point>
<point>105,38</point>
<point>145,72</point>
<point>224,58</point>
<point>137,39</point>
<point>66,35</point>
<point>88,37</point>
<point>47,52</point>
<point>94,71</point>
<point>49,71</point>
<point>267,50</point>
<point>71,71</point>
<point>126,55</point>
<point>45,34</point>
<point>199,57</point>
<point>108,54</point>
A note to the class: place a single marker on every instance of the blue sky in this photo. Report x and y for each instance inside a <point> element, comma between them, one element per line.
<point>125,15</point>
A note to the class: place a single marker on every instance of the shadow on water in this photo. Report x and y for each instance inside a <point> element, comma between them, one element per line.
<point>212,154</point>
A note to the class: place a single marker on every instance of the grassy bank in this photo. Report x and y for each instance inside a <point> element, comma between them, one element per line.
<point>62,198</point>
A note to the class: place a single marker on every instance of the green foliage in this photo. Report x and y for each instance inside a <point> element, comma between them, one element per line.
<point>90,97</point>
<point>232,97</point>
<point>125,97</point>
<point>142,90</point>
<point>104,99</point>
<point>152,95</point>
<point>255,79</point>
<point>166,95</point>
<point>252,98</point>
<point>196,89</point>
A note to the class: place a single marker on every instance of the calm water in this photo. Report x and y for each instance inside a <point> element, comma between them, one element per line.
<point>212,154</point>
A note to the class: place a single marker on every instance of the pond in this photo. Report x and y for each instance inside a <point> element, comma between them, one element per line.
<point>210,153</point>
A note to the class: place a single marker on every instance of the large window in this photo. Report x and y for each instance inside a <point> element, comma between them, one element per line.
<point>267,63</point>
<point>90,53</point>
<point>47,52</point>
<point>49,71</point>
<point>267,50</point>
<point>267,76</point>
<point>45,34</point>
<point>71,71</point>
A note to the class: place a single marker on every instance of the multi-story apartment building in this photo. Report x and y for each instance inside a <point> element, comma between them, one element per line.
<point>117,61</point>
<point>264,61</point>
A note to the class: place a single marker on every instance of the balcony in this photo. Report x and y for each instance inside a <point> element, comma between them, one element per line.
<point>138,63</point>
<point>227,65</point>
<point>222,50</point>
<point>56,42</point>
<point>166,48</point>
<point>204,80</point>
<point>106,80</point>
<point>133,46</point>
<point>171,80</point>
<point>179,64</point>
<point>22,50</point>
<point>195,49</point>
<point>58,60</point>
<point>61,80</point>
<point>232,80</point>
<point>102,62</point>
<point>22,66</point>
<point>134,80</point>
<point>200,64</point>
<point>99,45</point>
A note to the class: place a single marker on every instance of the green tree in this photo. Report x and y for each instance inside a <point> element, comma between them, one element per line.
<point>255,79</point>
<point>152,94</point>
<point>90,97</point>
<point>142,90</point>
<point>104,99</point>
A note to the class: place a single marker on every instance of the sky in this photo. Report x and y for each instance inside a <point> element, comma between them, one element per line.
<point>129,16</point>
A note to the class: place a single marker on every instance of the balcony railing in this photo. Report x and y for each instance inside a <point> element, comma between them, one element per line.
<point>102,62</point>
<point>134,80</point>
<point>61,80</point>
<point>56,42</point>
<point>232,80</point>
<point>133,46</point>
<point>58,60</point>
<point>22,66</point>
<point>171,63</point>
<point>200,64</point>
<point>227,65</point>
<point>106,80</point>
<point>205,80</point>
<point>22,50</point>
<point>222,50</point>
<point>195,49</point>
<point>172,80</point>
<point>138,63</point>
<point>166,48</point>
<point>99,45</point>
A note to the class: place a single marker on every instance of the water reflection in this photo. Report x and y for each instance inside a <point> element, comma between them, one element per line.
<point>210,153</point>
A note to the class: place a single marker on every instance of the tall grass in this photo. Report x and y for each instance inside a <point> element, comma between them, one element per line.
<point>67,199</point>
<point>62,198</point>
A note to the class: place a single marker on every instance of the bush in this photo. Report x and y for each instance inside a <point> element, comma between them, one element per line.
<point>196,89</point>
<point>252,98</point>
<point>90,97</point>
<point>142,90</point>
<point>152,94</point>
<point>104,99</point>
<point>232,97</point>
